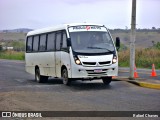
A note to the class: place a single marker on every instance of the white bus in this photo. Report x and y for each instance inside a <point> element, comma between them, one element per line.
<point>79,51</point>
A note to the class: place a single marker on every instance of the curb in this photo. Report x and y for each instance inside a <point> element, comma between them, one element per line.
<point>145,84</point>
<point>141,84</point>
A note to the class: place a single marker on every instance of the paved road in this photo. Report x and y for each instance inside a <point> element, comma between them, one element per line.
<point>19,91</point>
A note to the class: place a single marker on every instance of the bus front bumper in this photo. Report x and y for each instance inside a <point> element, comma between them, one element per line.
<point>94,72</point>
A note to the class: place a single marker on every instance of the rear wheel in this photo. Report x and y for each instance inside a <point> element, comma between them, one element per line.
<point>39,78</point>
<point>65,78</point>
<point>107,80</point>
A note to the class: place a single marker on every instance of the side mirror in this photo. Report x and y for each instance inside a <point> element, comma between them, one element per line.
<point>117,43</point>
<point>68,42</point>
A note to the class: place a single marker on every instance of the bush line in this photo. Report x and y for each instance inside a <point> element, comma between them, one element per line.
<point>144,57</point>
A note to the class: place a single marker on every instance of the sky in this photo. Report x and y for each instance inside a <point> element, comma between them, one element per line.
<point>35,14</point>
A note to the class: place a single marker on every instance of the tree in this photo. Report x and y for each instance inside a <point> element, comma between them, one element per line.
<point>157,46</point>
<point>153,28</point>
<point>153,43</point>
<point>1,48</point>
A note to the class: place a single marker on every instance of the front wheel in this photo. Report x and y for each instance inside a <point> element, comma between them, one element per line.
<point>107,80</point>
<point>65,78</point>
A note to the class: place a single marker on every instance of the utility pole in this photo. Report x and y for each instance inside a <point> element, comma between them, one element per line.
<point>132,41</point>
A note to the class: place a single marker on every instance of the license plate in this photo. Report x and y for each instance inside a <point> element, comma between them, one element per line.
<point>97,70</point>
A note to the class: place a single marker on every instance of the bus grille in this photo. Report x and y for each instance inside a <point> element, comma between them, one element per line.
<point>105,63</point>
<point>96,64</point>
<point>89,63</point>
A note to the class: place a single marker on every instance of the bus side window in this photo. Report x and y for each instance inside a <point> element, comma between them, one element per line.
<point>51,42</point>
<point>42,46</point>
<point>29,44</point>
<point>64,41</point>
<point>35,43</point>
<point>58,41</point>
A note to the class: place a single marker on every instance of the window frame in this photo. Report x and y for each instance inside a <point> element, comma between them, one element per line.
<point>40,42</point>
<point>60,45</point>
<point>65,49</point>
<point>53,41</point>
<point>33,43</point>
<point>61,32</point>
<point>28,51</point>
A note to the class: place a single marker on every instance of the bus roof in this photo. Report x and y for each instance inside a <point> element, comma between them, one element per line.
<point>59,27</point>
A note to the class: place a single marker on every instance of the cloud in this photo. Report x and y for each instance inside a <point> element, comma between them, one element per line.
<point>78,2</point>
<point>42,13</point>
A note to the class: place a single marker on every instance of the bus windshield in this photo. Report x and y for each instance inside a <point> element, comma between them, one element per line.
<point>91,42</point>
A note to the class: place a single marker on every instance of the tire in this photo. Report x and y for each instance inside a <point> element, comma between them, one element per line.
<point>44,79</point>
<point>39,78</point>
<point>107,80</point>
<point>64,75</point>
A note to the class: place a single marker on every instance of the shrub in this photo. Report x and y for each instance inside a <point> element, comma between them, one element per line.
<point>12,55</point>
<point>144,58</point>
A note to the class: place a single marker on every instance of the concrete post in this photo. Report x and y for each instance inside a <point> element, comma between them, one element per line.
<point>132,41</point>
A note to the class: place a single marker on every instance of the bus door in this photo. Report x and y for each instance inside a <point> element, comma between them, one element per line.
<point>62,56</point>
<point>65,55</point>
<point>51,55</point>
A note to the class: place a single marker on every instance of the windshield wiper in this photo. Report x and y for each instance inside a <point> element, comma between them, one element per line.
<point>100,48</point>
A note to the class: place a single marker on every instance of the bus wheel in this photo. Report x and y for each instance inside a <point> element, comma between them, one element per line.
<point>107,80</point>
<point>39,78</point>
<point>65,78</point>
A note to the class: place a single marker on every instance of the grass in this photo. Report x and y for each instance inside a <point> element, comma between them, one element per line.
<point>12,55</point>
<point>144,58</point>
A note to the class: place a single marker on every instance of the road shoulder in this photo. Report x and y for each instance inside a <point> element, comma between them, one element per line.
<point>147,83</point>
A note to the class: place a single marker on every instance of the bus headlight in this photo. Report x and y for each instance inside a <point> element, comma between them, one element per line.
<point>78,62</point>
<point>114,59</point>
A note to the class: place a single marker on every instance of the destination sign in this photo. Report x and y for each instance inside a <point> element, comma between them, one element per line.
<point>87,28</point>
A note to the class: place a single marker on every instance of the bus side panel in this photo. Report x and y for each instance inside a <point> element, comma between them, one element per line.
<point>52,68</point>
<point>31,62</point>
<point>49,63</point>
<point>44,60</point>
<point>58,63</point>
